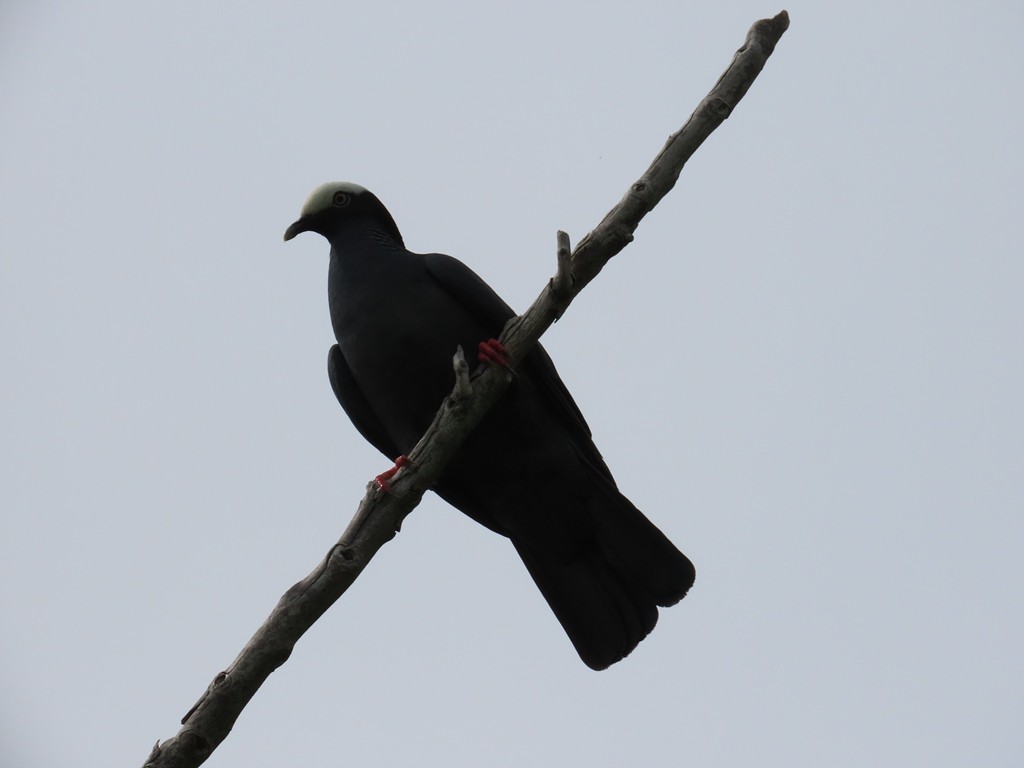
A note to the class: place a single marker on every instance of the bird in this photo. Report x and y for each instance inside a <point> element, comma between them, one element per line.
<point>530,470</point>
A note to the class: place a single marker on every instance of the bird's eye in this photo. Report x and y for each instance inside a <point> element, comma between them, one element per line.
<point>341,199</point>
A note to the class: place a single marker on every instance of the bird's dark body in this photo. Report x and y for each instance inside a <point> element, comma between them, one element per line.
<point>530,470</point>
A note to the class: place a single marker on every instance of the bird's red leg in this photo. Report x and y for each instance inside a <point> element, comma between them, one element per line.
<point>382,479</point>
<point>492,351</point>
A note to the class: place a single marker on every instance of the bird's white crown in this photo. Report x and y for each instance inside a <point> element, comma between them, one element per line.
<point>323,197</point>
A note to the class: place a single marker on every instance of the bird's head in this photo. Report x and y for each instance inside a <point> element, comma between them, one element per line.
<point>337,204</point>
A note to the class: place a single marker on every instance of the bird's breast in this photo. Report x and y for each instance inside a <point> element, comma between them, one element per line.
<point>398,331</point>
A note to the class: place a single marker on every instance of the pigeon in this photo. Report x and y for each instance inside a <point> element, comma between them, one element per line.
<point>530,470</point>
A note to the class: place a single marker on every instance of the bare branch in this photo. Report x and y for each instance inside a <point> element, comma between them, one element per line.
<point>380,514</point>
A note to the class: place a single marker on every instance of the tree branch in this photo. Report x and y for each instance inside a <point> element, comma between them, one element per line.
<point>380,514</point>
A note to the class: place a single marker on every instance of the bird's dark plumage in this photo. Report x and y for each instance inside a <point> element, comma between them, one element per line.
<point>530,471</point>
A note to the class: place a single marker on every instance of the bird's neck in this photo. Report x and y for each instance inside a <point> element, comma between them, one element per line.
<point>360,235</point>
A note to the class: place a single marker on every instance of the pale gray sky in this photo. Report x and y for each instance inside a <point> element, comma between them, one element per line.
<point>807,370</point>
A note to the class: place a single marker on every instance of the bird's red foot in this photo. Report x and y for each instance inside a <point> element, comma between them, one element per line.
<point>382,479</point>
<point>492,351</point>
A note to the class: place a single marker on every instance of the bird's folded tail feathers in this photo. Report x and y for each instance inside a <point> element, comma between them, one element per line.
<point>605,587</point>
<point>643,556</point>
<point>602,618</point>
<point>636,549</point>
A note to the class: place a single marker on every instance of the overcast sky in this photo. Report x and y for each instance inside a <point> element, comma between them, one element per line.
<point>807,370</point>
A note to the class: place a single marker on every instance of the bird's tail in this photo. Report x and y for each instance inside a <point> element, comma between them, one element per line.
<point>605,590</point>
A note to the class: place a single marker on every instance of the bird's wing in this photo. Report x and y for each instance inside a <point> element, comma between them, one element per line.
<point>354,402</point>
<point>469,290</point>
<point>476,296</point>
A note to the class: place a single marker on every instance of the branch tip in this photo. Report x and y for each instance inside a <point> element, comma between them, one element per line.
<point>767,32</point>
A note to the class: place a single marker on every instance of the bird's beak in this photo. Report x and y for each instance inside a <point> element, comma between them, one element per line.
<point>302,225</point>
